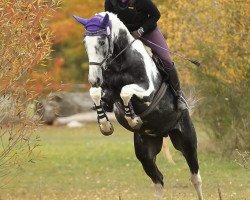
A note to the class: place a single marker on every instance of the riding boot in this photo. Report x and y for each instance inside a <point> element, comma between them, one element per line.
<point>174,82</point>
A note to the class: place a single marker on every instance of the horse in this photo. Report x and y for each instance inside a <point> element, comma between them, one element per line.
<point>122,72</point>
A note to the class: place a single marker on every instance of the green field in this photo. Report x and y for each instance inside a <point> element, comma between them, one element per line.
<point>83,164</point>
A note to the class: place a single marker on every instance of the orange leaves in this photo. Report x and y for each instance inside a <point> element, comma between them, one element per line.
<point>25,40</point>
<point>64,30</point>
<point>215,31</point>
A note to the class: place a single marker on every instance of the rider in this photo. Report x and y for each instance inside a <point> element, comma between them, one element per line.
<point>140,17</point>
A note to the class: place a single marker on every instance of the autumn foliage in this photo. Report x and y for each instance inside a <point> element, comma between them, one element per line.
<point>216,33</point>
<point>25,44</point>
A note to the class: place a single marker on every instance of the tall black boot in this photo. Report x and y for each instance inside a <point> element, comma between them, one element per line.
<point>174,82</point>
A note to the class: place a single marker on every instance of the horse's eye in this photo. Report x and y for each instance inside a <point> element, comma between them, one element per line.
<point>102,43</point>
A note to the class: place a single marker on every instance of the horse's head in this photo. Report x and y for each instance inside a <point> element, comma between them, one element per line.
<point>98,45</point>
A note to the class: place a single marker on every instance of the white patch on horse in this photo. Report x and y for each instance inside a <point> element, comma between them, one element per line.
<point>95,94</point>
<point>133,89</point>
<point>159,191</point>
<point>197,182</point>
<point>95,71</point>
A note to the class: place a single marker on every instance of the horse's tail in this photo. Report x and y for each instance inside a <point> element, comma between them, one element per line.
<point>192,99</point>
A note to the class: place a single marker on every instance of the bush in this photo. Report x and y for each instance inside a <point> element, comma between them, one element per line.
<point>25,43</point>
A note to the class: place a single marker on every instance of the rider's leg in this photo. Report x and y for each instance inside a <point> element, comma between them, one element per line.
<point>169,67</point>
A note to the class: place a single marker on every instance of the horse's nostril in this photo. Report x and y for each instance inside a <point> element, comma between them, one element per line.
<point>98,80</point>
<point>96,83</point>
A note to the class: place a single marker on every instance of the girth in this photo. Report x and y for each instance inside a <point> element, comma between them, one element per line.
<point>157,98</point>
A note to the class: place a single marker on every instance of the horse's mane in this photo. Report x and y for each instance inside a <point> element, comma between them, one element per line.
<point>116,23</point>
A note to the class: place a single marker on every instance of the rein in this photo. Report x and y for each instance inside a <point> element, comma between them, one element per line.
<point>122,51</point>
<point>195,62</point>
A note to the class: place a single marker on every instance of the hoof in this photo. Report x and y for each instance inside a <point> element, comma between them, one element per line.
<point>135,123</point>
<point>106,129</point>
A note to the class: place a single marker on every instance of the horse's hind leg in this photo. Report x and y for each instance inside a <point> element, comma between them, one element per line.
<point>146,149</point>
<point>186,142</point>
<point>105,126</point>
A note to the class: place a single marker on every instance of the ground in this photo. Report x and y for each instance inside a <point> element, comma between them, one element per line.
<point>82,164</point>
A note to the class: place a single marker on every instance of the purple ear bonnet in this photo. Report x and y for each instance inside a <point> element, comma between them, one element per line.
<point>96,26</point>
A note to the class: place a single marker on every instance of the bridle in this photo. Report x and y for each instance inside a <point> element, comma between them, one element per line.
<point>109,53</point>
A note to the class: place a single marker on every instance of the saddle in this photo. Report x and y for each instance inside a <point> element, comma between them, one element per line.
<point>160,66</point>
<point>158,62</point>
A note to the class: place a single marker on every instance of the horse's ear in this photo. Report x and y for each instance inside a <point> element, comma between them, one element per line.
<point>105,20</point>
<point>81,20</point>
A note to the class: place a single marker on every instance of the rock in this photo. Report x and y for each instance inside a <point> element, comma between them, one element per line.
<point>82,118</point>
<point>74,124</point>
<point>62,104</point>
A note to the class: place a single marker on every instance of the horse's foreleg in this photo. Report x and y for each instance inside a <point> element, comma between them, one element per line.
<point>106,127</point>
<point>127,92</point>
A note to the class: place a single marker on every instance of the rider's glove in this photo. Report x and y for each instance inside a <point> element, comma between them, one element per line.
<point>137,34</point>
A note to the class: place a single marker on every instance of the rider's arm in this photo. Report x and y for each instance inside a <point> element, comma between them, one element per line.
<point>153,12</point>
<point>108,6</point>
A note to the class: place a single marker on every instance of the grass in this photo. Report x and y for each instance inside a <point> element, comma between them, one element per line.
<point>83,164</point>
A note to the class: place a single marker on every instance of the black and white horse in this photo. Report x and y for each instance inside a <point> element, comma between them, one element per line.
<point>122,72</point>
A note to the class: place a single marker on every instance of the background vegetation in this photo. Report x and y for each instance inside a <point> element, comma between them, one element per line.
<point>25,44</point>
<point>217,33</point>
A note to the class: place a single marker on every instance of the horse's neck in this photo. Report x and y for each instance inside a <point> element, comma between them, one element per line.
<point>120,31</point>
<point>122,39</point>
